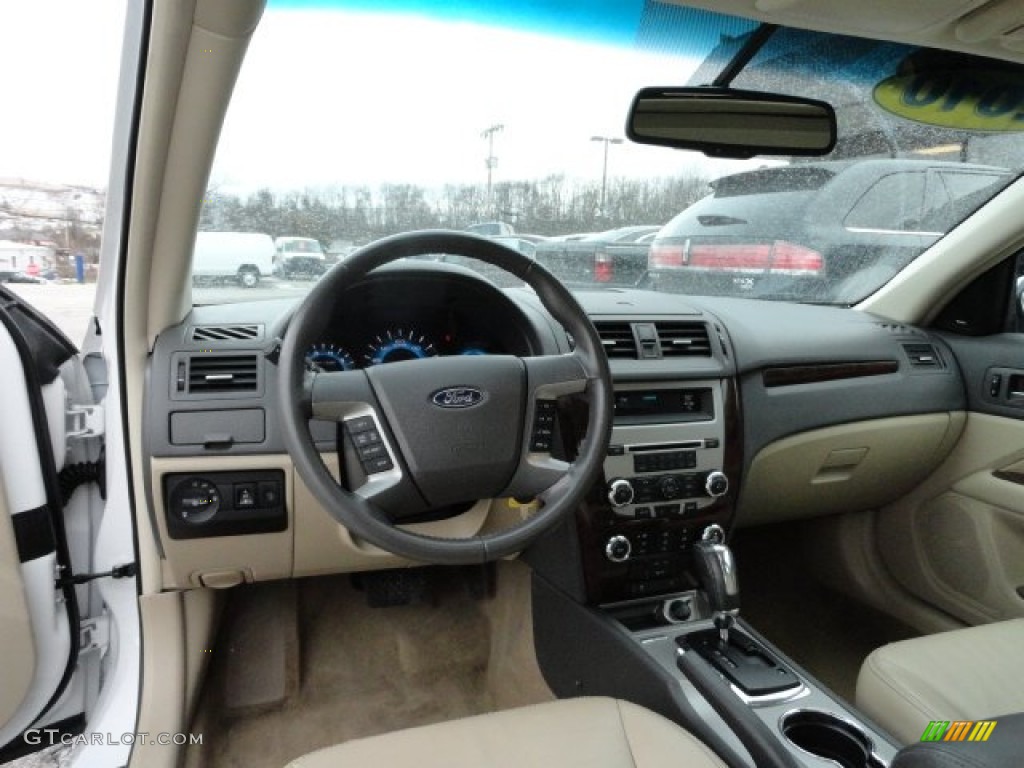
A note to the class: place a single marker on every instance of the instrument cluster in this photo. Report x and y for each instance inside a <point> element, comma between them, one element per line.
<point>393,344</point>
<point>395,318</point>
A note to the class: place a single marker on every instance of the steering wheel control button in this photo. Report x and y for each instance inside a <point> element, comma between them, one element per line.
<point>360,424</point>
<point>716,484</point>
<point>372,451</point>
<point>369,437</point>
<point>618,549</point>
<point>543,433</point>
<point>377,465</point>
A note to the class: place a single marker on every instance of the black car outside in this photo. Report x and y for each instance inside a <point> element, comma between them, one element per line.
<point>615,257</point>
<point>825,232</point>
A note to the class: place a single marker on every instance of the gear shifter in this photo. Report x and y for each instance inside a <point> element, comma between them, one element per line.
<point>716,572</point>
<point>735,655</point>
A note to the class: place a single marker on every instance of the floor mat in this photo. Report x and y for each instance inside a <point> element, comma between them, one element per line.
<point>368,671</point>
<point>826,632</point>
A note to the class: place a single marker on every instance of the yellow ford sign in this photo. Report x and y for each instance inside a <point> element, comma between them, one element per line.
<point>976,101</point>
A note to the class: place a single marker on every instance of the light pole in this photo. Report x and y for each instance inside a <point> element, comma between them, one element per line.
<point>491,161</point>
<point>606,140</point>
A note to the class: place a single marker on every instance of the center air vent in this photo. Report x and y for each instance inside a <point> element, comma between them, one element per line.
<point>617,339</point>
<point>682,339</point>
<point>225,332</point>
<point>923,356</point>
<point>222,373</point>
<point>654,339</point>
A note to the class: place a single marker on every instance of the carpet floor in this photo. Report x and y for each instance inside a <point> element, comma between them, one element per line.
<point>367,670</point>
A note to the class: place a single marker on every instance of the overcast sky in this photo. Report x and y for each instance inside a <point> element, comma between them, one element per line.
<point>327,98</point>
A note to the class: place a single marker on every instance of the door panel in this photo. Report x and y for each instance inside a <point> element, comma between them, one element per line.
<point>36,623</point>
<point>957,541</point>
<point>16,638</point>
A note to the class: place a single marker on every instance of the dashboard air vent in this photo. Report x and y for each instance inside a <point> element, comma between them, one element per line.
<point>923,356</point>
<point>222,373</point>
<point>617,339</point>
<point>225,332</point>
<point>684,339</point>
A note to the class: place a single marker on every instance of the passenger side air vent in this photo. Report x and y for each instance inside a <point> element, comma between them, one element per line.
<point>617,339</point>
<point>923,356</point>
<point>222,374</point>
<point>684,339</point>
<point>226,332</point>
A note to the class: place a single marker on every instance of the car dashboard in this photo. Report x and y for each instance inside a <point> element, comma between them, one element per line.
<point>728,412</point>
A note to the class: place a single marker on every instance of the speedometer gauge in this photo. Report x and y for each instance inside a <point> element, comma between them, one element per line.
<point>329,357</point>
<point>397,344</point>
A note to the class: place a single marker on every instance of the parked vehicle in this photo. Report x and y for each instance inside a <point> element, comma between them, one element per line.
<point>614,257</point>
<point>245,257</point>
<point>21,277</point>
<point>299,257</point>
<point>492,229</point>
<point>814,231</point>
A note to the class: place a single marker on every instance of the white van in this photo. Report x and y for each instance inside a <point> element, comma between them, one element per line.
<point>299,257</point>
<point>241,256</point>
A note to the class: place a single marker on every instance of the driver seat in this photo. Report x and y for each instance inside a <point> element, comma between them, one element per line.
<point>569,733</point>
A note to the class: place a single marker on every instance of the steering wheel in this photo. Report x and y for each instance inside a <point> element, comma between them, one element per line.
<point>442,430</point>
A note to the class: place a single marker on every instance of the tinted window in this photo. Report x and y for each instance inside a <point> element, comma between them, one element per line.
<point>893,203</point>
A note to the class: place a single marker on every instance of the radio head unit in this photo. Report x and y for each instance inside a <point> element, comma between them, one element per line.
<point>667,450</point>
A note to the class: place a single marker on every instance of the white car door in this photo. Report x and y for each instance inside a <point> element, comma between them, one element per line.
<point>39,607</point>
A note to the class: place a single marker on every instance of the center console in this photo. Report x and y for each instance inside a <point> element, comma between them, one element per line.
<point>669,479</point>
<point>659,624</point>
<point>781,716</point>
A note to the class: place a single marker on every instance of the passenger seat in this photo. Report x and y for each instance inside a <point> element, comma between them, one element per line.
<point>966,674</point>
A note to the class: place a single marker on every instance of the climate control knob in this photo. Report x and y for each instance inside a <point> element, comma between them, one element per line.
<point>620,492</point>
<point>716,484</point>
<point>670,487</point>
<point>618,549</point>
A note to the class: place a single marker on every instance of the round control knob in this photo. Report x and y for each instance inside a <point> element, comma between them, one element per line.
<point>713,533</point>
<point>620,492</point>
<point>195,501</point>
<point>670,487</point>
<point>717,484</point>
<point>618,549</point>
<point>678,610</point>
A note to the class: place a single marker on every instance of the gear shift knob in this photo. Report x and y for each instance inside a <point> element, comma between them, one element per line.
<point>716,572</point>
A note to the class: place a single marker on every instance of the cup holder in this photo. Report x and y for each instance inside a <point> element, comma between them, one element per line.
<point>830,738</point>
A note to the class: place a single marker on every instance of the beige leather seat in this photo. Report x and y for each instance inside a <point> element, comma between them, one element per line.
<point>570,733</point>
<point>966,674</point>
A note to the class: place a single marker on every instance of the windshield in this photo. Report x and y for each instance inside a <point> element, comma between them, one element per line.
<point>507,121</point>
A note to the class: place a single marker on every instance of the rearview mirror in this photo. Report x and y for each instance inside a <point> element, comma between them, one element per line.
<point>721,122</point>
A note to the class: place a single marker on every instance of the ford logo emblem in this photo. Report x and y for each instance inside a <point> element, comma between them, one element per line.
<point>457,397</point>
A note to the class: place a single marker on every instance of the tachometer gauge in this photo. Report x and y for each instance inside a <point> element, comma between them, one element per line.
<point>329,357</point>
<point>397,344</point>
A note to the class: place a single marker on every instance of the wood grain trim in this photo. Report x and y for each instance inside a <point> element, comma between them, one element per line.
<point>784,376</point>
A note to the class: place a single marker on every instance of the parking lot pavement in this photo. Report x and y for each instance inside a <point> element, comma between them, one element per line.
<point>69,306</point>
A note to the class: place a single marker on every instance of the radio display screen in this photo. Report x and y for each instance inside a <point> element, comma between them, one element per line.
<point>663,405</point>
